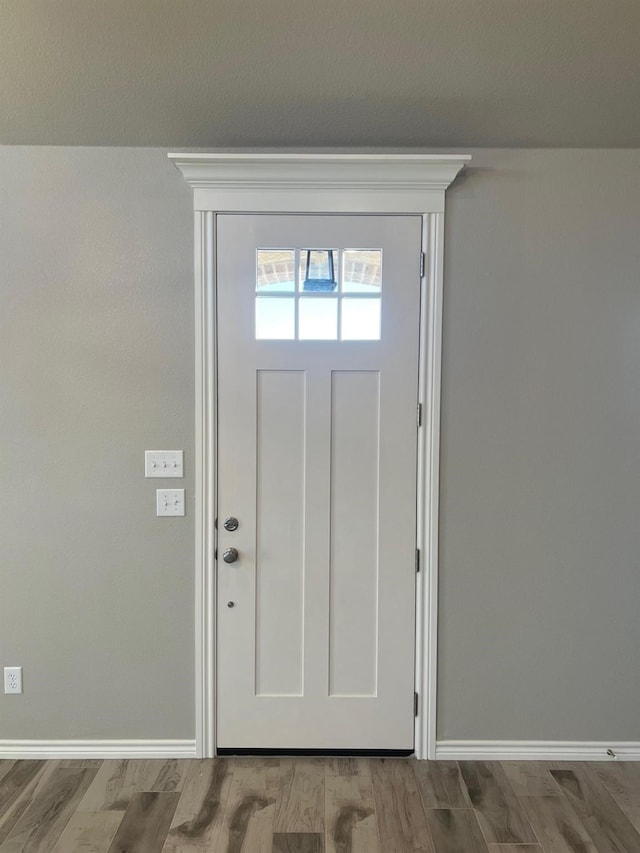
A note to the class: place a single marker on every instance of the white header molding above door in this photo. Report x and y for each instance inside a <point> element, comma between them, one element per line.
<point>319,183</point>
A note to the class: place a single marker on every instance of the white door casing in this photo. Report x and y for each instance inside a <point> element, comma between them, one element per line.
<point>318,183</point>
<point>317,449</point>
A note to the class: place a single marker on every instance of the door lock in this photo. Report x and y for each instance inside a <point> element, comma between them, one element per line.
<point>231,524</point>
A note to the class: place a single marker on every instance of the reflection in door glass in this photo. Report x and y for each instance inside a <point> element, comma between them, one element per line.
<point>318,319</point>
<point>275,319</point>
<point>318,270</point>
<point>276,271</point>
<point>362,271</point>
<point>360,320</point>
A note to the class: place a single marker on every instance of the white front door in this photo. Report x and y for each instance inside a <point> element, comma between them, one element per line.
<point>317,362</point>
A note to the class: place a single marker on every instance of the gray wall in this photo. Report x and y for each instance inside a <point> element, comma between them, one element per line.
<point>540,534</point>
<point>540,467</point>
<point>96,364</point>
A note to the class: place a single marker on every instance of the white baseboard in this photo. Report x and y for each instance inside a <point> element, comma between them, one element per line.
<point>536,750</point>
<point>446,750</point>
<point>97,749</point>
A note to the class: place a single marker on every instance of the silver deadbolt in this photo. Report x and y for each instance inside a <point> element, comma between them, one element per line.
<point>231,524</point>
<point>230,555</point>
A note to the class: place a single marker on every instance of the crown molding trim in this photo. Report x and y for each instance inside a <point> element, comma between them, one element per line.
<point>320,183</point>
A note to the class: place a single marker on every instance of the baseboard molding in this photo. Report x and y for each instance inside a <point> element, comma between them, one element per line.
<point>97,749</point>
<point>536,750</point>
<point>446,750</point>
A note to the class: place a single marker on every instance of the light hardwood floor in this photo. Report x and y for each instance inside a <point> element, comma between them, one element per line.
<point>318,805</point>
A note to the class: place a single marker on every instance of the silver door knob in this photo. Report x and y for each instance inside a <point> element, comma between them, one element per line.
<point>231,524</point>
<point>230,555</point>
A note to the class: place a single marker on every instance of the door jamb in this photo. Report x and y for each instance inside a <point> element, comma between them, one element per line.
<point>382,183</point>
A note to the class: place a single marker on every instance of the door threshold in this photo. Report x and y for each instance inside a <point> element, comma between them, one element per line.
<point>373,753</point>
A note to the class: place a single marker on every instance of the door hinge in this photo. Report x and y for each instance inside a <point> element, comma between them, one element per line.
<point>419,415</point>
<point>417,559</point>
<point>415,704</point>
<point>421,264</point>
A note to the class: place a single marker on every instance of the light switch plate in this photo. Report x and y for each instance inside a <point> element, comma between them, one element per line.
<point>163,463</point>
<point>169,501</point>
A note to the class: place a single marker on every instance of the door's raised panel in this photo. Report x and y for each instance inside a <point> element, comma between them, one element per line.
<point>280,479</point>
<point>354,554</point>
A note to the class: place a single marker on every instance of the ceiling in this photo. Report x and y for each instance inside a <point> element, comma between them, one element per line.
<point>275,73</point>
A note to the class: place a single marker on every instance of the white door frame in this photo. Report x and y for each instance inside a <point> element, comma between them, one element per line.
<point>318,183</point>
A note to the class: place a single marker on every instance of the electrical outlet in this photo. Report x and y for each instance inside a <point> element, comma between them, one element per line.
<point>13,679</point>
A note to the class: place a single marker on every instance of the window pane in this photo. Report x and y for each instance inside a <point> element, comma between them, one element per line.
<point>319,269</point>
<point>275,319</point>
<point>362,271</point>
<point>275,271</point>
<point>318,320</point>
<point>360,320</point>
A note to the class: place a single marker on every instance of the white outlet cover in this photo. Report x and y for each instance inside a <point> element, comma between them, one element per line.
<point>13,679</point>
<point>169,501</point>
<point>164,463</point>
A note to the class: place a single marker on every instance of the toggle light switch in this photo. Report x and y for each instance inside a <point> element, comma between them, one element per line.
<point>169,501</point>
<point>163,463</point>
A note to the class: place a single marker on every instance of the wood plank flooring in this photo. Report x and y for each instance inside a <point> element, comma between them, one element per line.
<point>318,805</point>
